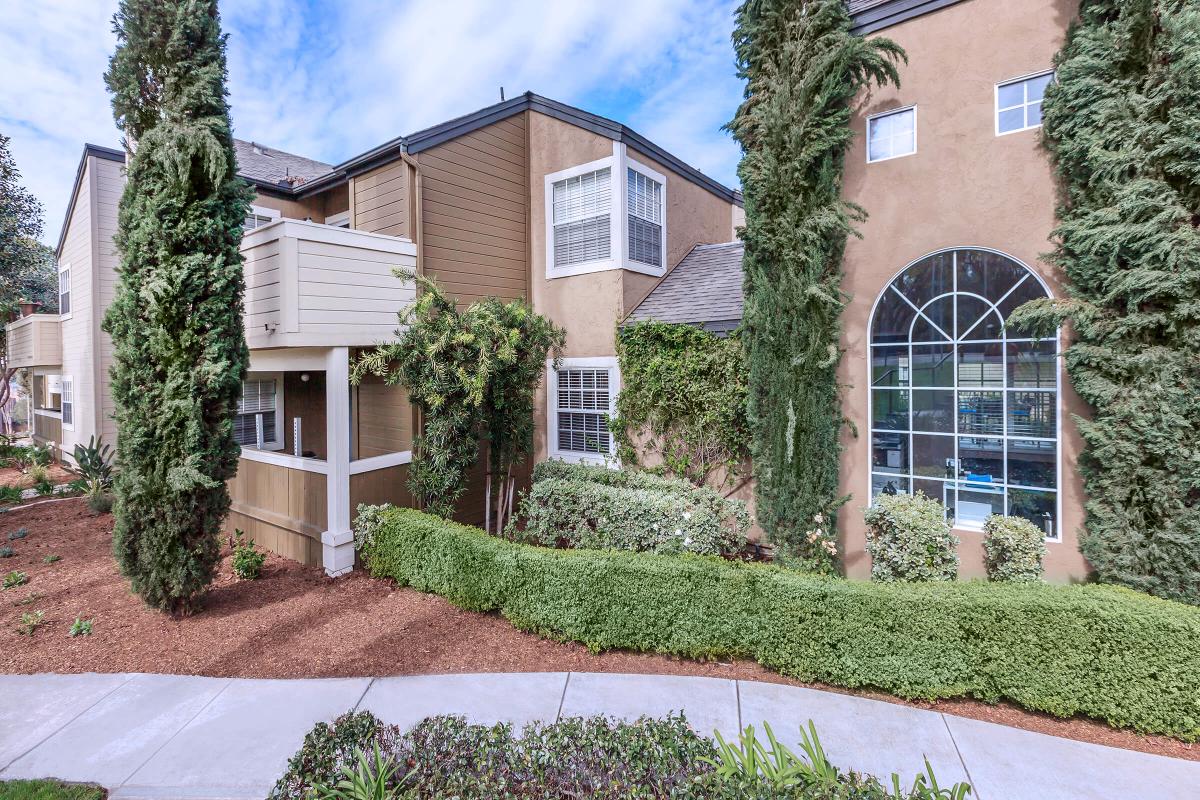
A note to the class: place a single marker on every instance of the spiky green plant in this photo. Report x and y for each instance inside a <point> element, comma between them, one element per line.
<point>803,68</point>
<point>1122,122</point>
<point>176,319</point>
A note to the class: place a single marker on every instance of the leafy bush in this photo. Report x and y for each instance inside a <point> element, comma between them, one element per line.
<point>80,627</point>
<point>575,757</point>
<point>577,505</point>
<point>909,539</point>
<point>10,494</point>
<point>94,462</point>
<point>1014,549</point>
<point>247,559</point>
<point>1102,651</point>
<point>31,621</point>
<point>14,579</point>
<point>686,389</point>
<point>38,473</point>
<point>100,503</point>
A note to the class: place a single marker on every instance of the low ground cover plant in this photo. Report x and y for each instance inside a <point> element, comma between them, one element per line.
<point>1014,548</point>
<point>19,533</point>
<point>584,506</point>
<point>575,757</point>
<point>80,627</point>
<point>1106,652</point>
<point>909,539</point>
<point>14,579</point>
<point>50,790</point>
<point>10,494</point>
<point>247,559</point>
<point>31,621</point>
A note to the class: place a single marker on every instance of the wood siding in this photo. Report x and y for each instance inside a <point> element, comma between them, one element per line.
<point>110,184</point>
<point>389,485</point>
<point>47,429</point>
<point>282,509</point>
<point>305,399</point>
<point>382,201</point>
<point>382,419</point>
<point>475,213</point>
<point>262,270</point>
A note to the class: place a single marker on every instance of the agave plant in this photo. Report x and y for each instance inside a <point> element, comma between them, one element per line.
<point>94,461</point>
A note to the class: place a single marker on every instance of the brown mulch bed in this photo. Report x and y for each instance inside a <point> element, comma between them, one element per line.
<point>296,623</point>
<point>11,476</point>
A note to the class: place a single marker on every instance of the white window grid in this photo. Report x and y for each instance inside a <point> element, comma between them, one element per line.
<point>64,290</point>
<point>892,134</point>
<point>1021,99</point>
<point>584,401</point>
<point>582,218</point>
<point>645,218</point>
<point>1001,393</point>
<point>67,402</point>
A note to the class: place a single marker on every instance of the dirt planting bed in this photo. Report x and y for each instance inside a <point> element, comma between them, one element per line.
<point>294,622</point>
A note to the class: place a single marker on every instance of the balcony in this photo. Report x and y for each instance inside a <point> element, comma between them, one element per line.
<point>35,341</point>
<point>312,285</point>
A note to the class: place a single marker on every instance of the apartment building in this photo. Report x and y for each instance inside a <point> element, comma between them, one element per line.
<point>529,198</point>
<point>942,396</point>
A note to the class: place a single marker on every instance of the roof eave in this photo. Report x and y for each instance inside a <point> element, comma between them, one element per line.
<point>885,15</point>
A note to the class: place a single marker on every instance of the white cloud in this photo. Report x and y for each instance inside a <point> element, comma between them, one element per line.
<point>332,79</point>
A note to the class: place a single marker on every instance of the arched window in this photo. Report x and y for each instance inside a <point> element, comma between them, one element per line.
<point>963,407</point>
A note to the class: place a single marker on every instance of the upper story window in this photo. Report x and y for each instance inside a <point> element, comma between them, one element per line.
<point>260,405</point>
<point>1019,103</point>
<point>582,206</point>
<point>645,218</point>
<point>892,134</point>
<point>64,289</point>
<point>963,406</point>
<point>607,214</point>
<point>259,216</point>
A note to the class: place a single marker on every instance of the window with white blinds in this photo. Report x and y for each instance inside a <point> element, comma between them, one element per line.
<point>583,405</point>
<point>64,289</point>
<point>645,218</point>
<point>67,402</point>
<point>582,218</point>
<point>258,397</point>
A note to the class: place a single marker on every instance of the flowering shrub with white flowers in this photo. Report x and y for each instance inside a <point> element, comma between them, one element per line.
<point>596,508</point>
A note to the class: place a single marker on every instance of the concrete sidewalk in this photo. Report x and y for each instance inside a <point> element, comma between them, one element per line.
<point>168,736</point>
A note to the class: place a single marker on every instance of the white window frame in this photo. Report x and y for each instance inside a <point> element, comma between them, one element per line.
<point>614,388</point>
<point>341,220</point>
<point>66,402</point>
<point>890,113</point>
<point>1060,408</point>
<point>278,441</point>
<point>1024,105</point>
<point>66,268</point>
<point>273,214</point>
<point>618,227</point>
<point>661,180</point>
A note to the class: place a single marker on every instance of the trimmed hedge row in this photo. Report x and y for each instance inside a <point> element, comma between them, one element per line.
<point>1101,651</point>
<point>583,506</point>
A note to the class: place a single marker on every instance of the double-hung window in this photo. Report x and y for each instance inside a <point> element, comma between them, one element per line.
<point>1019,103</point>
<point>258,217</point>
<point>892,134</point>
<point>606,214</point>
<point>67,403</point>
<point>258,405</point>
<point>64,289</point>
<point>582,218</point>
<point>582,397</point>
<point>645,206</point>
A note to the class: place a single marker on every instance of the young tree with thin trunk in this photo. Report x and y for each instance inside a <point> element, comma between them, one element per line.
<point>176,320</point>
<point>27,270</point>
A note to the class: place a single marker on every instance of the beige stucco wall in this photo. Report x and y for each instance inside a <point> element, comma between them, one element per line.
<point>965,186</point>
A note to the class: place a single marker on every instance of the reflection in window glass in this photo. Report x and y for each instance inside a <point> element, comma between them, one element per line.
<point>973,418</point>
<point>888,484</point>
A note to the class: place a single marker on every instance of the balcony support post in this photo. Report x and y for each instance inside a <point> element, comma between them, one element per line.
<point>337,542</point>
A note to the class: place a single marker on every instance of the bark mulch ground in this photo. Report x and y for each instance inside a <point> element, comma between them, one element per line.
<point>294,622</point>
<point>11,476</point>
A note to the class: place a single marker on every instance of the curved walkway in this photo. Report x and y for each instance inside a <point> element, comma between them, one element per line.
<point>171,736</point>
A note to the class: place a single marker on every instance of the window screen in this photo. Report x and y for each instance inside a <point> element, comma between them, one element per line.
<point>64,291</point>
<point>645,219</point>
<point>582,218</point>
<point>583,406</point>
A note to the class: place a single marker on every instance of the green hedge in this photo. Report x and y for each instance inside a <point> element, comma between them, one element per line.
<point>1105,652</point>
<point>581,506</point>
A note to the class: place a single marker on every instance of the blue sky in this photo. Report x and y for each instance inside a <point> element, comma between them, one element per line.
<point>331,79</point>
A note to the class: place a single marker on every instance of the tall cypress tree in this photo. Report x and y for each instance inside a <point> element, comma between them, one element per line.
<point>1122,122</point>
<point>176,321</point>
<point>802,68</point>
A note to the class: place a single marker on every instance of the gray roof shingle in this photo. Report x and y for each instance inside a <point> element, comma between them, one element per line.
<point>705,288</point>
<point>273,167</point>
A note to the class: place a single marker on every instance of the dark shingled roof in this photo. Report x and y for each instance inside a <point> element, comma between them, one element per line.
<point>705,289</point>
<point>267,166</point>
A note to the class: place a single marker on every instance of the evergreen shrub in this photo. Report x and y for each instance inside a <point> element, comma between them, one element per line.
<point>578,505</point>
<point>909,539</point>
<point>1013,549</point>
<point>1103,651</point>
